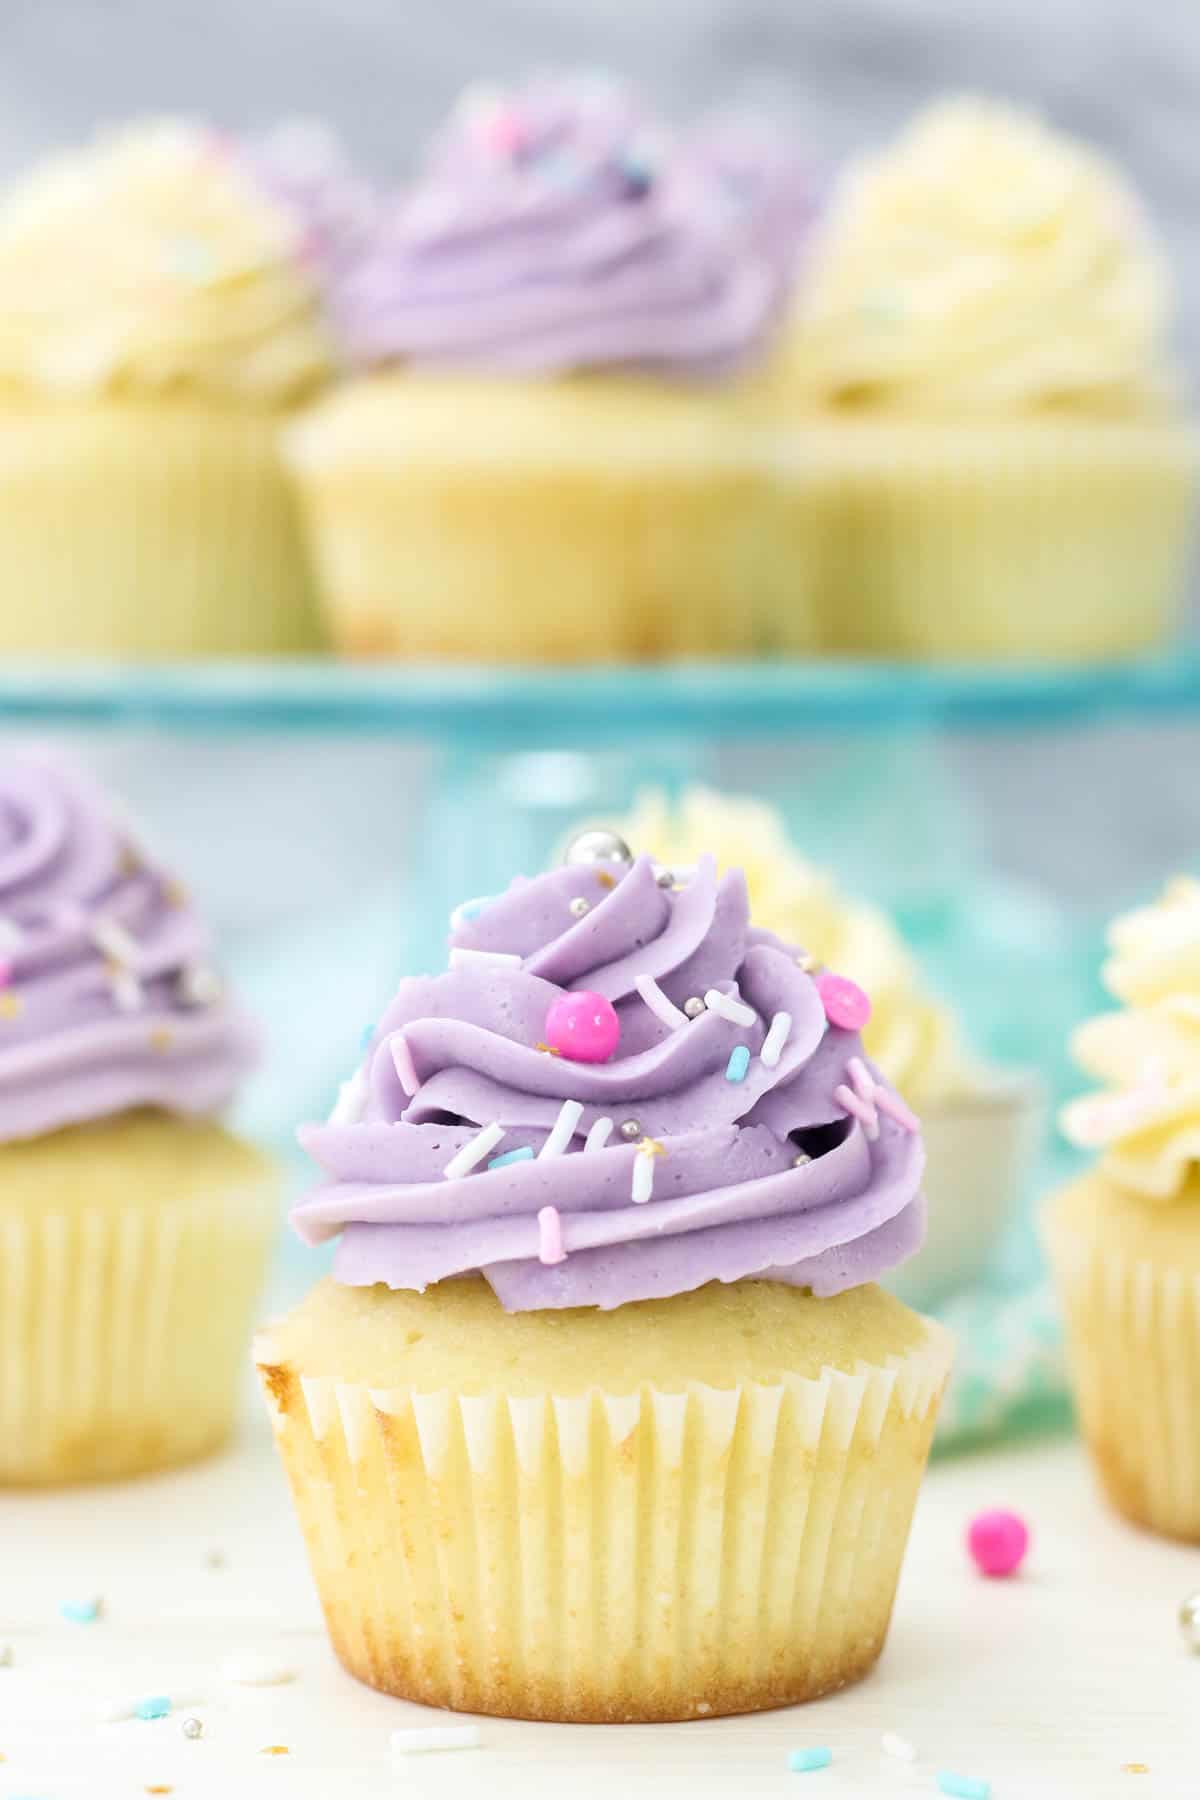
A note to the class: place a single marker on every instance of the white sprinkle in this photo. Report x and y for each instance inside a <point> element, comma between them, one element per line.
<point>643,1179</point>
<point>115,941</point>
<point>469,959</point>
<point>351,1102</point>
<point>599,1135</point>
<point>561,1131</point>
<point>892,1744</point>
<point>657,1001</point>
<point>775,1039</point>
<point>126,990</point>
<point>413,1741</point>
<point>11,936</point>
<point>480,1146</point>
<point>728,1007</point>
<point>406,1068</point>
<point>254,1668</point>
<point>198,985</point>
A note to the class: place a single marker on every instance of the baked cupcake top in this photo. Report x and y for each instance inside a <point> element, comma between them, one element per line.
<point>983,263</point>
<point>556,227</point>
<point>1146,1122</point>
<point>108,999</point>
<point>914,1037</point>
<point>620,1089</point>
<point>152,261</point>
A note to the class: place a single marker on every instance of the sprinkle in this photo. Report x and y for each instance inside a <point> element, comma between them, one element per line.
<point>254,1668</point>
<point>997,1542</point>
<point>216,1559</point>
<point>402,1060</point>
<point>845,1003</point>
<point>694,1008</point>
<point>562,1130</point>
<point>467,910</point>
<point>657,1001</point>
<point>651,1147</point>
<point>801,1160</point>
<point>547,1049</point>
<point>599,1135</point>
<point>808,965</point>
<point>579,906</point>
<point>274,1750</point>
<point>414,1741</point>
<point>6,1656</point>
<point>803,1762</point>
<point>631,1128</point>
<point>5,973</point>
<point>468,959</point>
<point>365,1036</point>
<point>160,1788</point>
<point>892,1744</point>
<point>111,1712</point>
<point>127,991</point>
<point>114,941</point>
<point>739,1062</point>
<point>161,1040</point>
<point>727,1006</point>
<point>865,1099</point>
<point>550,1239</point>
<point>605,879</point>
<point>154,1706</point>
<point>664,877</point>
<point>175,894</point>
<point>11,1005</point>
<point>351,1101</point>
<point>82,1612</point>
<point>775,1039</point>
<point>963,1787</point>
<point>524,1154</point>
<point>198,985</point>
<point>192,1727</point>
<point>480,1146</point>
<point>1135,1768</point>
<point>642,1187</point>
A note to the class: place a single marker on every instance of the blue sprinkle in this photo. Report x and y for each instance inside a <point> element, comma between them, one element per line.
<point>638,172</point>
<point>963,1787</point>
<point>739,1062</point>
<point>154,1706</point>
<point>525,1154</point>
<point>368,1032</point>
<point>803,1762</point>
<point>80,1612</point>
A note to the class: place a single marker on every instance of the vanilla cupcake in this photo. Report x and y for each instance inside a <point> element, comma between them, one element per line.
<point>133,1229</point>
<point>1124,1240</point>
<point>601,1415</point>
<point>984,444</point>
<point>543,454</point>
<point>980,1125</point>
<point>157,322</point>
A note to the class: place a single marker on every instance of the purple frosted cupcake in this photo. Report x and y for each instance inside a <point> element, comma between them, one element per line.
<point>554,333</point>
<point>134,1228</point>
<point>601,1415</point>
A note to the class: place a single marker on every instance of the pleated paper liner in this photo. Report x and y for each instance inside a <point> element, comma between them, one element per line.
<point>643,1556</point>
<point>123,1331</point>
<point>160,529</point>
<point>1133,1340</point>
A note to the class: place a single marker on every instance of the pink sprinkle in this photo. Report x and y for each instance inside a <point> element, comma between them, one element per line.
<point>550,1239</point>
<point>997,1542</point>
<point>406,1068</point>
<point>505,133</point>
<point>895,1108</point>
<point>583,1027</point>
<point>863,1110</point>
<point>6,970</point>
<point>846,1006</point>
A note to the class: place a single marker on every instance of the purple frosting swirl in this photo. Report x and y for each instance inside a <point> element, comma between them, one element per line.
<point>107,997</point>
<point>556,228</point>
<point>459,1051</point>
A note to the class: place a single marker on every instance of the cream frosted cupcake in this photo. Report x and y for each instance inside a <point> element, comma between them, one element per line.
<point>543,453</point>
<point>157,322</point>
<point>983,450</point>
<point>600,1415</point>
<point>133,1229</point>
<point>1124,1241</point>
<point>980,1125</point>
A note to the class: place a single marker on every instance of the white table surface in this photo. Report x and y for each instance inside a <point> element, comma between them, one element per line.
<point>1045,1685</point>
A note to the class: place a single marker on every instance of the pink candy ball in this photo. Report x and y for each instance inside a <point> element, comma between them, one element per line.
<point>997,1541</point>
<point>583,1027</point>
<point>844,1001</point>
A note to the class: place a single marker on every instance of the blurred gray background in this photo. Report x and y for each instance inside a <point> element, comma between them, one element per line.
<point>842,72</point>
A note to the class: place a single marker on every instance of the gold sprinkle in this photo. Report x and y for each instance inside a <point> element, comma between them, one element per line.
<point>1135,1768</point>
<point>130,863</point>
<point>161,1039</point>
<point>547,1049</point>
<point>605,879</point>
<point>651,1147</point>
<point>808,964</point>
<point>174,893</point>
<point>160,1788</point>
<point>275,1750</point>
<point>11,1006</point>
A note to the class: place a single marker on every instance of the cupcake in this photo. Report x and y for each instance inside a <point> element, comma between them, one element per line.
<point>983,439</point>
<point>157,323</point>
<point>1124,1239</point>
<point>554,336</point>
<point>134,1228</point>
<point>980,1125</point>
<point>601,1415</point>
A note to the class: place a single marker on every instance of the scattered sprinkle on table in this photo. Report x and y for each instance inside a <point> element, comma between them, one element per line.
<point>154,1706</point>
<point>1135,1768</point>
<point>415,1741</point>
<point>274,1750</point>
<point>892,1744</point>
<point>160,1788</point>
<point>997,1542</point>
<point>963,1787</point>
<point>215,1559</point>
<point>192,1727</point>
<point>804,1762</point>
<point>82,1612</point>
<point>254,1668</point>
